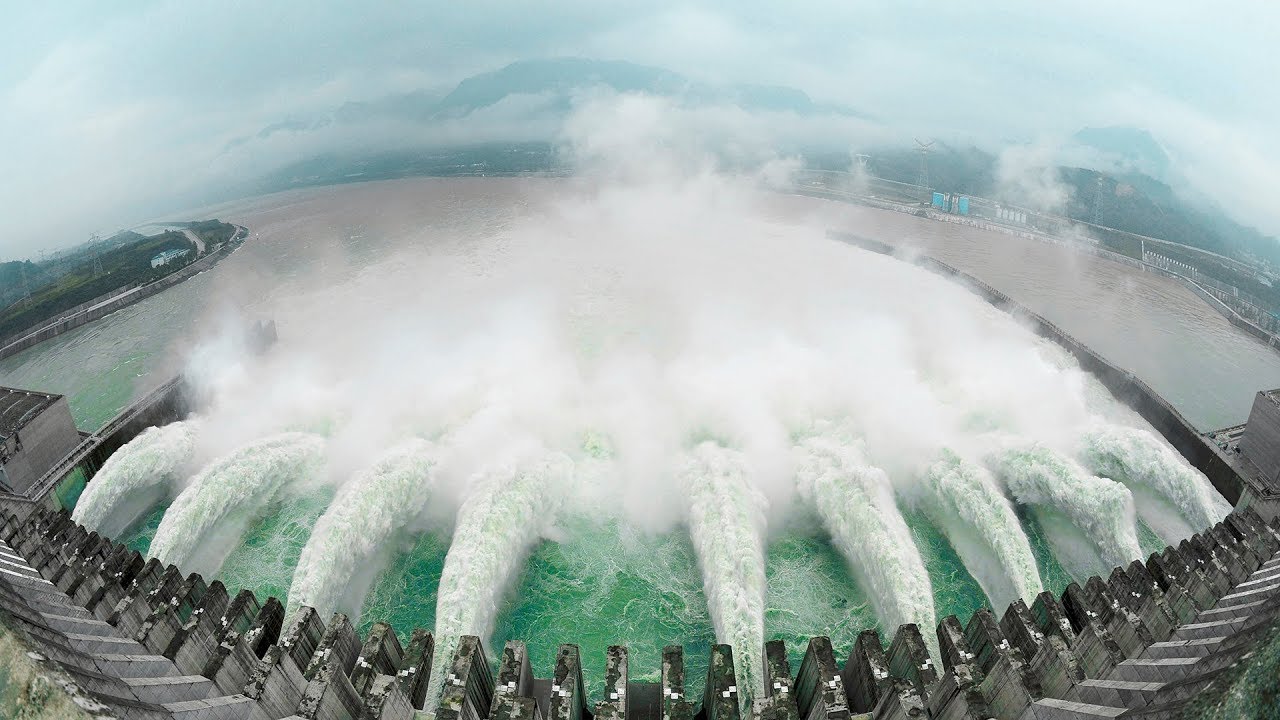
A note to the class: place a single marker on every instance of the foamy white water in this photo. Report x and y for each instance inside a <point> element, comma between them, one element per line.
<point>1101,508</point>
<point>135,478</point>
<point>855,501</point>
<point>980,522</point>
<point>343,552</point>
<point>507,511</point>
<point>726,523</point>
<point>1136,457</point>
<point>208,518</point>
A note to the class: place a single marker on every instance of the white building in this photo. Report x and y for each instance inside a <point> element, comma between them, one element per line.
<point>167,257</point>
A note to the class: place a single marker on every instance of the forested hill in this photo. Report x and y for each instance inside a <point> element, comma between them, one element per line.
<point>1131,201</point>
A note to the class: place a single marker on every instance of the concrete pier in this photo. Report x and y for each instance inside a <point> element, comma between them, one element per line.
<point>720,694</point>
<point>820,689</point>
<point>780,701</point>
<point>1152,636</point>
<point>616,685</point>
<point>676,705</point>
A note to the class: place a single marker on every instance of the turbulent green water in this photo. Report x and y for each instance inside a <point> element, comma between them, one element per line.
<point>267,554</point>
<point>648,586</point>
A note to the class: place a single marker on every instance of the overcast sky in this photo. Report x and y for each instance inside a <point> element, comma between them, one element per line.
<point>112,113</point>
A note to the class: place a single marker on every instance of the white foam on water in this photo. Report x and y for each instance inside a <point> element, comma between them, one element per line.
<point>209,517</point>
<point>1101,508</point>
<point>855,501</point>
<point>135,478</point>
<point>1145,464</point>
<point>509,508</point>
<point>344,550</point>
<point>968,506</point>
<point>726,522</point>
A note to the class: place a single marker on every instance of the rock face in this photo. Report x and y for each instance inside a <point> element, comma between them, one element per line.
<point>31,689</point>
<point>91,630</point>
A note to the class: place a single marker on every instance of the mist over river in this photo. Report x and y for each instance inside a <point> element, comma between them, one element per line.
<point>644,413</point>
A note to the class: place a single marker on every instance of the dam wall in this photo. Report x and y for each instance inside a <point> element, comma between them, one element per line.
<point>128,637</point>
<point>103,308</point>
<point>1203,454</point>
<point>63,482</point>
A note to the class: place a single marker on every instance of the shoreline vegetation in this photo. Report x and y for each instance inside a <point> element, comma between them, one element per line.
<point>39,300</point>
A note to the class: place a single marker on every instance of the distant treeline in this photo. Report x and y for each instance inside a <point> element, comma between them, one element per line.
<point>1131,202</point>
<point>122,260</point>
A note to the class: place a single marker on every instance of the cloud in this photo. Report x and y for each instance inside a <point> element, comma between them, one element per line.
<point>1027,176</point>
<point>115,113</point>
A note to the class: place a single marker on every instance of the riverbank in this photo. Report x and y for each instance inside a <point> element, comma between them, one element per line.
<point>103,306</point>
<point>1268,338</point>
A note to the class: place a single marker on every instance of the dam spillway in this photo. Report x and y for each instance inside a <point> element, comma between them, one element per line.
<point>965,489</point>
<point>760,402</point>
<point>129,636</point>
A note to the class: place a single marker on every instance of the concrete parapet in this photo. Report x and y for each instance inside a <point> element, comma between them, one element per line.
<point>1126,627</point>
<point>958,696</point>
<point>239,653</point>
<point>166,621</point>
<point>952,644</point>
<point>780,701</point>
<point>385,700</point>
<point>720,697</point>
<point>675,703</point>
<point>200,628</point>
<point>1146,601</point>
<point>909,659</point>
<point>1003,689</point>
<point>820,691</point>
<point>515,674</point>
<point>1209,549</point>
<point>986,640</point>
<point>615,703</point>
<point>329,693</point>
<point>866,674</point>
<point>1227,540</point>
<point>1170,571</point>
<point>141,601</point>
<point>1211,567</point>
<point>468,685</point>
<point>1021,630</point>
<point>276,684</point>
<point>568,693</point>
<point>381,654</point>
<point>1055,669</point>
<point>415,669</point>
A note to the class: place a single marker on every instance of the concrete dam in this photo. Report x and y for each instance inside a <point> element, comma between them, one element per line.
<point>129,636</point>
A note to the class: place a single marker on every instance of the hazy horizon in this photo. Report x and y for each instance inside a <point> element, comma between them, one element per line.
<point>116,115</point>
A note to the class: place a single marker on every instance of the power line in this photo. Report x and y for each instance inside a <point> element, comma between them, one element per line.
<point>1099,196</point>
<point>95,248</point>
<point>922,177</point>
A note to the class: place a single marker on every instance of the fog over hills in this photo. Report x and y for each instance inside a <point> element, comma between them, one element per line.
<point>142,110</point>
<point>516,113</point>
<point>548,87</point>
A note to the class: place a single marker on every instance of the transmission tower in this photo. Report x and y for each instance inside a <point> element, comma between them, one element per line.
<point>922,178</point>
<point>1099,196</point>
<point>26,287</point>
<point>96,250</point>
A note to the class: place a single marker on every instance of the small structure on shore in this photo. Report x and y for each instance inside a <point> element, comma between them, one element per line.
<point>36,430</point>
<point>168,256</point>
